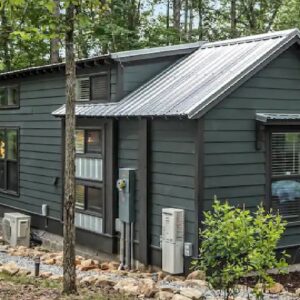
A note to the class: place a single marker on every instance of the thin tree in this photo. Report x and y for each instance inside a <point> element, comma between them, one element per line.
<point>176,18</point>
<point>233,21</point>
<point>55,42</point>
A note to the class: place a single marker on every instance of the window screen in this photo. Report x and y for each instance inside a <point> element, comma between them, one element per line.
<point>286,173</point>
<point>9,96</point>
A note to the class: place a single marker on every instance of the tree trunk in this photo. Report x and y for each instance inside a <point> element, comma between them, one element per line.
<point>5,29</point>
<point>200,19</point>
<point>186,17</point>
<point>69,281</point>
<point>233,18</point>
<point>54,43</point>
<point>168,14</point>
<point>176,17</point>
<point>191,23</point>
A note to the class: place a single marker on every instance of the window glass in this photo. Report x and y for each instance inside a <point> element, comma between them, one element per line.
<point>12,176</point>
<point>2,174</point>
<point>94,141</point>
<point>94,199</point>
<point>3,96</point>
<point>2,144</point>
<point>285,186</point>
<point>79,141</point>
<point>79,196</point>
<point>12,145</point>
<point>285,153</point>
<point>12,95</point>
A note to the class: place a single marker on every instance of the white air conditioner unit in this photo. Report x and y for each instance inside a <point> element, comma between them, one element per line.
<point>16,229</point>
<point>172,240</point>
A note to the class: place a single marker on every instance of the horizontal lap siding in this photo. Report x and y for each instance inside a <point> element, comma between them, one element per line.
<point>40,144</point>
<point>128,156</point>
<point>234,169</point>
<point>172,173</point>
<point>135,74</point>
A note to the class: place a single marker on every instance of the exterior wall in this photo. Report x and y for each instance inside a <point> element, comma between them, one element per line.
<point>234,169</point>
<point>39,144</point>
<point>137,73</point>
<point>172,173</point>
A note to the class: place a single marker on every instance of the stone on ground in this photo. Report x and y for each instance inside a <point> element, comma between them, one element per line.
<point>180,297</point>
<point>277,288</point>
<point>10,268</point>
<point>195,283</point>
<point>192,293</point>
<point>200,275</point>
<point>128,286</point>
<point>164,295</point>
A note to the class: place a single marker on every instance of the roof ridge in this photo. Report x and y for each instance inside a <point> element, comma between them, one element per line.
<point>253,38</point>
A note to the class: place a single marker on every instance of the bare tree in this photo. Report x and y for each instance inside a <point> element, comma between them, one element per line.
<point>176,17</point>
<point>233,21</point>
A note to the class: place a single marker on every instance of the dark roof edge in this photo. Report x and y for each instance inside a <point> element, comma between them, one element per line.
<point>125,56</point>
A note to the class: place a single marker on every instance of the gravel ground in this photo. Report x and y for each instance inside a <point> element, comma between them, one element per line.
<point>28,263</point>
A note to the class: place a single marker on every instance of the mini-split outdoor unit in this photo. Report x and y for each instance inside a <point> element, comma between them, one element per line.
<point>16,229</point>
<point>172,240</point>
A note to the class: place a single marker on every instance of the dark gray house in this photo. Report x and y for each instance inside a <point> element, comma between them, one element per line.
<point>221,119</point>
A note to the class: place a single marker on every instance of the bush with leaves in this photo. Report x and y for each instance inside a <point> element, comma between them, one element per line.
<point>235,242</point>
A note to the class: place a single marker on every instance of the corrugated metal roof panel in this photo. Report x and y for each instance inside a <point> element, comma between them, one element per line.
<point>265,117</point>
<point>190,86</point>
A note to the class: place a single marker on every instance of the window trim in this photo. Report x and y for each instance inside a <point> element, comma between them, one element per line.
<point>93,183</point>
<point>5,191</point>
<point>268,161</point>
<point>12,85</point>
<point>107,73</point>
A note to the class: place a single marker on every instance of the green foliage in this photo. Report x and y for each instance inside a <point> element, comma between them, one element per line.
<point>235,242</point>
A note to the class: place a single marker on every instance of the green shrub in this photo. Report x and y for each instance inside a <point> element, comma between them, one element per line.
<point>235,242</point>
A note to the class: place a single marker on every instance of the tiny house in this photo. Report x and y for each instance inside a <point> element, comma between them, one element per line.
<point>213,119</point>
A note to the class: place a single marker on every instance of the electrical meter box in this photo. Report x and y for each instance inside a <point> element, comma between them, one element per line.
<point>126,188</point>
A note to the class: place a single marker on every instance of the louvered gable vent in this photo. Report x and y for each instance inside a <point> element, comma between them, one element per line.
<point>83,89</point>
<point>99,85</point>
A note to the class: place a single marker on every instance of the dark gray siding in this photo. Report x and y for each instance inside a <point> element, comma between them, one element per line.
<point>234,169</point>
<point>40,144</point>
<point>172,173</point>
<point>128,155</point>
<point>135,74</point>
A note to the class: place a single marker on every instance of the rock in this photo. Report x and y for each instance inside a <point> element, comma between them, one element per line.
<point>161,275</point>
<point>89,280</point>
<point>104,282</point>
<point>276,288</point>
<point>45,275</point>
<point>128,286</point>
<point>164,295</point>
<point>50,261</point>
<point>87,265</point>
<point>4,248</point>
<point>56,277</point>
<point>191,293</point>
<point>195,283</point>
<point>104,266</point>
<point>199,275</point>
<point>297,292</point>
<point>180,297</point>
<point>10,268</point>
<point>170,278</point>
<point>148,287</point>
<point>23,272</point>
<point>114,265</point>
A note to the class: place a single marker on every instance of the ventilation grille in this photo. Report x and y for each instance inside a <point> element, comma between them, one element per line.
<point>83,89</point>
<point>99,88</point>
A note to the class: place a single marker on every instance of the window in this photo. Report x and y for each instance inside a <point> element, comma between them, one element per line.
<point>89,170</point>
<point>285,168</point>
<point>9,160</point>
<point>94,88</point>
<point>9,96</point>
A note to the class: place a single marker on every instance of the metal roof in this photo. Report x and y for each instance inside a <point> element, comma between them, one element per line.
<point>124,56</point>
<point>193,85</point>
<point>265,117</point>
